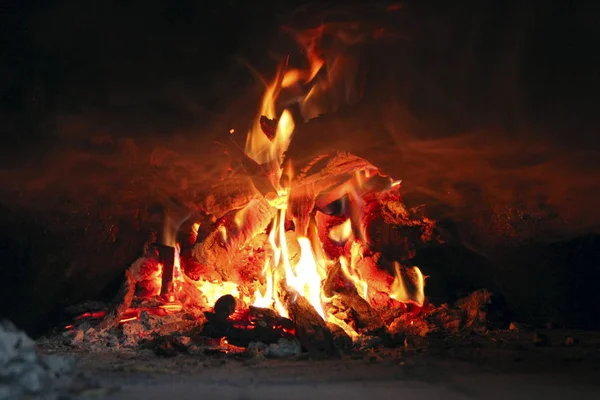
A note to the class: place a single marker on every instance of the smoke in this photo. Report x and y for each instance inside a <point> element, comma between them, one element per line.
<point>484,111</point>
<point>478,107</point>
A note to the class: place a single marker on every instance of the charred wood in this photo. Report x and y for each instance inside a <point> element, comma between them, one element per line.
<point>268,317</point>
<point>311,330</point>
<point>166,256</point>
<point>240,334</point>
<point>340,338</point>
<point>224,306</point>
<point>366,319</point>
<point>120,303</point>
<point>86,307</point>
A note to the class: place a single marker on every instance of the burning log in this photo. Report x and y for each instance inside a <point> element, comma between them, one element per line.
<point>268,317</point>
<point>365,318</point>
<point>340,338</point>
<point>311,330</point>
<point>85,307</point>
<point>341,174</point>
<point>233,231</point>
<point>120,303</point>
<point>391,228</point>
<point>242,327</point>
<point>302,203</point>
<point>231,194</point>
<point>166,256</point>
<point>240,336</point>
<point>324,225</point>
<point>224,306</point>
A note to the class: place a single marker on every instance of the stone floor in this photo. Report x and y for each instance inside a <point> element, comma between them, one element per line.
<point>496,368</point>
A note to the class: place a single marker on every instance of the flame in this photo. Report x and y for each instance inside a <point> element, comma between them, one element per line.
<point>178,277</point>
<point>408,285</point>
<point>212,290</point>
<point>342,324</point>
<point>306,279</point>
<point>303,277</point>
<point>342,232</point>
<point>223,231</point>
<point>306,275</point>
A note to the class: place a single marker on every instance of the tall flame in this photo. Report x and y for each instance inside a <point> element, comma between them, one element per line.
<point>267,142</point>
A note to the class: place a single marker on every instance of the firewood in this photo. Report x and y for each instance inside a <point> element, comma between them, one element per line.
<point>232,232</point>
<point>324,224</point>
<point>228,195</point>
<point>391,228</point>
<point>329,179</point>
<point>191,297</point>
<point>167,259</point>
<point>340,337</point>
<point>260,175</point>
<point>333,281</point>
<point>342,173</point>
<point>301,204</point>
<point>311,330</point>
<point>224,306</point>
<point>240,333</point>
<point>366,319</point>
<point>120,303</point>
<point>268,317</point>
<point>85,307</point>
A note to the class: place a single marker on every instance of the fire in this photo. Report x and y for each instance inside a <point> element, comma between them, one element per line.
<point>213,290</point>
<point>306,275</point>
<point>350,270</point>
<point>342,232</point>
<point>408,285</point>
<point>296,261</point>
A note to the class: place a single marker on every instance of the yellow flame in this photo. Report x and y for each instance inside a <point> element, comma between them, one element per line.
<point>303,277</point>
<point>306,279</point>
<point>213,290</point>
<point>240,217</point>
<point>267,300</point>
<point>341,232</point>
<point>223,231</point>
<point>342,324</point>
<point>257,143</point>
<point>283,136</point>
<point>408,285</point>
<point>272,272</point>
<point>177,272</point>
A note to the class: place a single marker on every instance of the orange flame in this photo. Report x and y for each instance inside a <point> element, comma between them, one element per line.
<point>306,275</point>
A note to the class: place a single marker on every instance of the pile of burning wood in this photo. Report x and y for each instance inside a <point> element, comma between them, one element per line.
<point>225,280</point>
<point>320,258</point>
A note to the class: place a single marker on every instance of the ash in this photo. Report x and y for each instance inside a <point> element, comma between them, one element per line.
<point>26,374</point>
<point>182,333</point>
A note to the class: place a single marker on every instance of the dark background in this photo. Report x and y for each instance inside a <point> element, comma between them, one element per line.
<point>487,110</point>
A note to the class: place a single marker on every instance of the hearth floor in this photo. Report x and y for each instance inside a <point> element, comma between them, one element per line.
<point>466,370</point>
